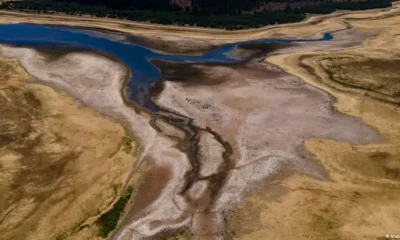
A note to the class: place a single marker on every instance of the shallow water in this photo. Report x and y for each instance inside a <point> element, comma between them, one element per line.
<point>134,56</point>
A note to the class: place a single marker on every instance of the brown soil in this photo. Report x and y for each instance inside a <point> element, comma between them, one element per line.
<point>264,114</point>
<point>361,199</point>
<point>155,180</point>
<point>58,169</point>
<point>262,120</point>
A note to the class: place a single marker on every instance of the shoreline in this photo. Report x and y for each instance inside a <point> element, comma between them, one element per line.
<point>145,25</point>
<point>142,28</point>
<point>166,212</point>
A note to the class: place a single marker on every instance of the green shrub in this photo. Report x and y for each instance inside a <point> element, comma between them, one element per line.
<point>108,221</point>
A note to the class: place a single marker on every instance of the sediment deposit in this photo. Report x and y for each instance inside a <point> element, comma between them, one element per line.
<point>299,139</point>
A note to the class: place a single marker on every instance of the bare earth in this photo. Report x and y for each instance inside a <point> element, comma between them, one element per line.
<point>58,169</point>
<point>299,146</point>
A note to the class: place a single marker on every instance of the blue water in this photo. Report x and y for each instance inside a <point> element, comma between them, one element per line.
<point>134,56</point>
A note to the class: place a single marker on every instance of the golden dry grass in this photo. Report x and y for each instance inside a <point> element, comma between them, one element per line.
<point>62,164</point>
<point>362,198</point>
<point>360,202</point>
<point>360,72</point>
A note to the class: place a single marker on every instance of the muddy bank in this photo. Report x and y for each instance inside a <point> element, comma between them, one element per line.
<point>96,81</point>
<point>263,115</point>
<point>221,129</point>
<point>158,43</point>
<point>363,176</point>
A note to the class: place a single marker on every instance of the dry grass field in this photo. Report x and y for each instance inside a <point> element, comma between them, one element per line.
<point>335,118</point>
<point>360,200</point>
<point>59,171</point>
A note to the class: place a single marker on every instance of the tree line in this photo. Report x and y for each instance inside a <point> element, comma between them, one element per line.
<point>228,14</point>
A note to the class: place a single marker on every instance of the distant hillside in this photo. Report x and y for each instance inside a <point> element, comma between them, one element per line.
<point>229,14</point>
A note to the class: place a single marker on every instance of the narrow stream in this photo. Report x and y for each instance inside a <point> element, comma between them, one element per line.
<point>143,75</point>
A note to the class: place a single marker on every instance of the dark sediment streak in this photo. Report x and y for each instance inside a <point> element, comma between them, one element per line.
<point>188,73</point>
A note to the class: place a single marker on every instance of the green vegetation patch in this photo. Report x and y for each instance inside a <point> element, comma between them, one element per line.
<point>108,221</point>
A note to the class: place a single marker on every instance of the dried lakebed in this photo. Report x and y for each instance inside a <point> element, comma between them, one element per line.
<point>218,123</point>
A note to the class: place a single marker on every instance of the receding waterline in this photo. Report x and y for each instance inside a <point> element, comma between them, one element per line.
<point>134,56</point>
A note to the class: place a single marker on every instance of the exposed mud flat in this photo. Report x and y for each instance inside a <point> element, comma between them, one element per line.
<point>264,115</point>
<point>97,81</point>
<point>227,132</point>
<point>176,39</point>
<point>362,199</point>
